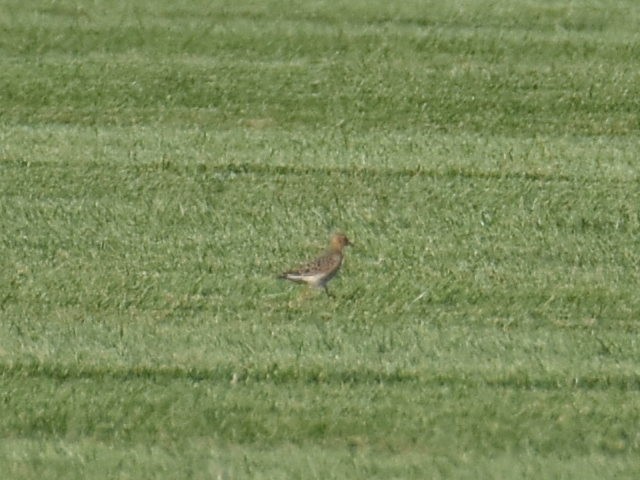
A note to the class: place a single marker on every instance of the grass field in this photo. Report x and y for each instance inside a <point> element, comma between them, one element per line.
<point>161,161</point>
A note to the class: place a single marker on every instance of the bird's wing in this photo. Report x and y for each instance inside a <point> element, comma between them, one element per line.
<point>325,263</point>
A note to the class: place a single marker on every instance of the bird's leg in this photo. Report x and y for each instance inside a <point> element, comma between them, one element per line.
<point>300,299</point>
<point>304,294</point>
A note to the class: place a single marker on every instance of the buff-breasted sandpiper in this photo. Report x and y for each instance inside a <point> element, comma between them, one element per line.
<point>318,272</point>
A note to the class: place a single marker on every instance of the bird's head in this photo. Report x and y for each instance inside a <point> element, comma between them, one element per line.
<point>339,241</point>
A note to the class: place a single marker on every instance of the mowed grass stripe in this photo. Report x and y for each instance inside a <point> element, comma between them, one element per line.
<point>474,99</point>
<point>338,146</point>
<point>280,374</point>
<point>246,415</point>
<point>476,241</point>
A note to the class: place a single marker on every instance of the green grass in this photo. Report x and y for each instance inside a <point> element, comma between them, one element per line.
<point>161,162</point>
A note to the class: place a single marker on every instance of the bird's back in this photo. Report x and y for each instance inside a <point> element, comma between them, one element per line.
<point>317,272</point>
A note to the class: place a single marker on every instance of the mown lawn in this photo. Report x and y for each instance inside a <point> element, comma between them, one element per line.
<point>161,162</point>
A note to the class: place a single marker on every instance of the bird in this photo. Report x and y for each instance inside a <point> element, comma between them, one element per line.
<point>318,272</point>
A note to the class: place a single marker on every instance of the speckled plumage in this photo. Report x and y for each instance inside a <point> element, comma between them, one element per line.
<point>318,272</point>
